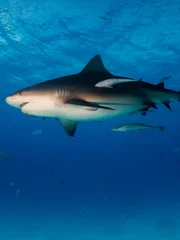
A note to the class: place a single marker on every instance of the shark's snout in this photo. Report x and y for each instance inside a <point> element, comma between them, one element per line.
<point>9,100</point>
<point>14,100</point>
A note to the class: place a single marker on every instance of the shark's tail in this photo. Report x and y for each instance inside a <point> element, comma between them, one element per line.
<point>179,96</point>
<point>175,95</point>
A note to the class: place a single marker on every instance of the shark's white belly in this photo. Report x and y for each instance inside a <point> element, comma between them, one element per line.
<point>82,114</point>
<point>77,113</point>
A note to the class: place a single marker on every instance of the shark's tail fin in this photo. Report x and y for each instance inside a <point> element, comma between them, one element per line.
<point>161,128</point>
<point>179,96</point>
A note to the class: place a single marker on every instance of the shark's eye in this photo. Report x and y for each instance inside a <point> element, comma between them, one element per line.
<point>20,93</point>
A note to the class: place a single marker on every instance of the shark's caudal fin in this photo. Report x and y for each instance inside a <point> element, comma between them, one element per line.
<point>179,96</point>
<point>95,65</point>
<point>69,126</point>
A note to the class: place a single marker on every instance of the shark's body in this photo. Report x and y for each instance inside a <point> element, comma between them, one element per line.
<point>137,127</point>
<point>94,94</point>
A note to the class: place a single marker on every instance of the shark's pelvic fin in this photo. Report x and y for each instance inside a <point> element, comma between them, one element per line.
<point>109,83</point>
<point>69,126</point>
<point>88,105</point>
<point>143,111</point>
<point>150,104</point>
<point>95,65</point>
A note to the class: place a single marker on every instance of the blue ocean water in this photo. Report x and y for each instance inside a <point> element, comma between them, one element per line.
<point>98,185</point>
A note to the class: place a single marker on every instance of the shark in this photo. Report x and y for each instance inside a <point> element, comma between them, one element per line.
<point>93,94</point>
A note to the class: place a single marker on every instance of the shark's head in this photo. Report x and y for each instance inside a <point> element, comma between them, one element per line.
<point>35,100</point>
<point>19,98</point>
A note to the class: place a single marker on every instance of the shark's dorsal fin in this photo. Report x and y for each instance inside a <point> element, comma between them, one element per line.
<point>160,85</point>
<point>69,126</point>
<point>95,65</point>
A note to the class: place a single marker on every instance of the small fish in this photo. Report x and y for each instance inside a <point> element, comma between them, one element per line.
<point>12,184</point>
<point>105,18</point>
<point>165,79</point>
<point>5,155</point>
<point>43,51</point>
<point>51,170</point>
<point>37,132</point>
<point>110,82</point>
<point>136,126</point>
<point>176,150</point>
<point>61,182</point>
<point>17,192</point>
<point>130,215</point>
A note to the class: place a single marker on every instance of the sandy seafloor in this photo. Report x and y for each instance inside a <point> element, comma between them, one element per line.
<point>149,223</point>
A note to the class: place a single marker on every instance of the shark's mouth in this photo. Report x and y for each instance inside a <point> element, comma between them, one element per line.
<point>23,104</point>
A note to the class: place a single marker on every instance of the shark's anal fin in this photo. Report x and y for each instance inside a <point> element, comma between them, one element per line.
<point>166,104</point>
<point>95,65</point>
<point>69,126</point>
<point>88,105</point>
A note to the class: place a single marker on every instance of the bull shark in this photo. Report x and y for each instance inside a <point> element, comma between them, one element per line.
<point>93,94</point>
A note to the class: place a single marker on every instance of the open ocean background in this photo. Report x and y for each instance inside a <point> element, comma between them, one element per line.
<point>99,185</point>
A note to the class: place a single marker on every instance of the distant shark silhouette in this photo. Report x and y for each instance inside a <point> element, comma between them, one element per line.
<point>94,94</point>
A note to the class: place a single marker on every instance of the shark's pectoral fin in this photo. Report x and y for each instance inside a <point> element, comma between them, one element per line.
<point>109,83</point>
<point>69,126</point>
<point>87,105</point>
